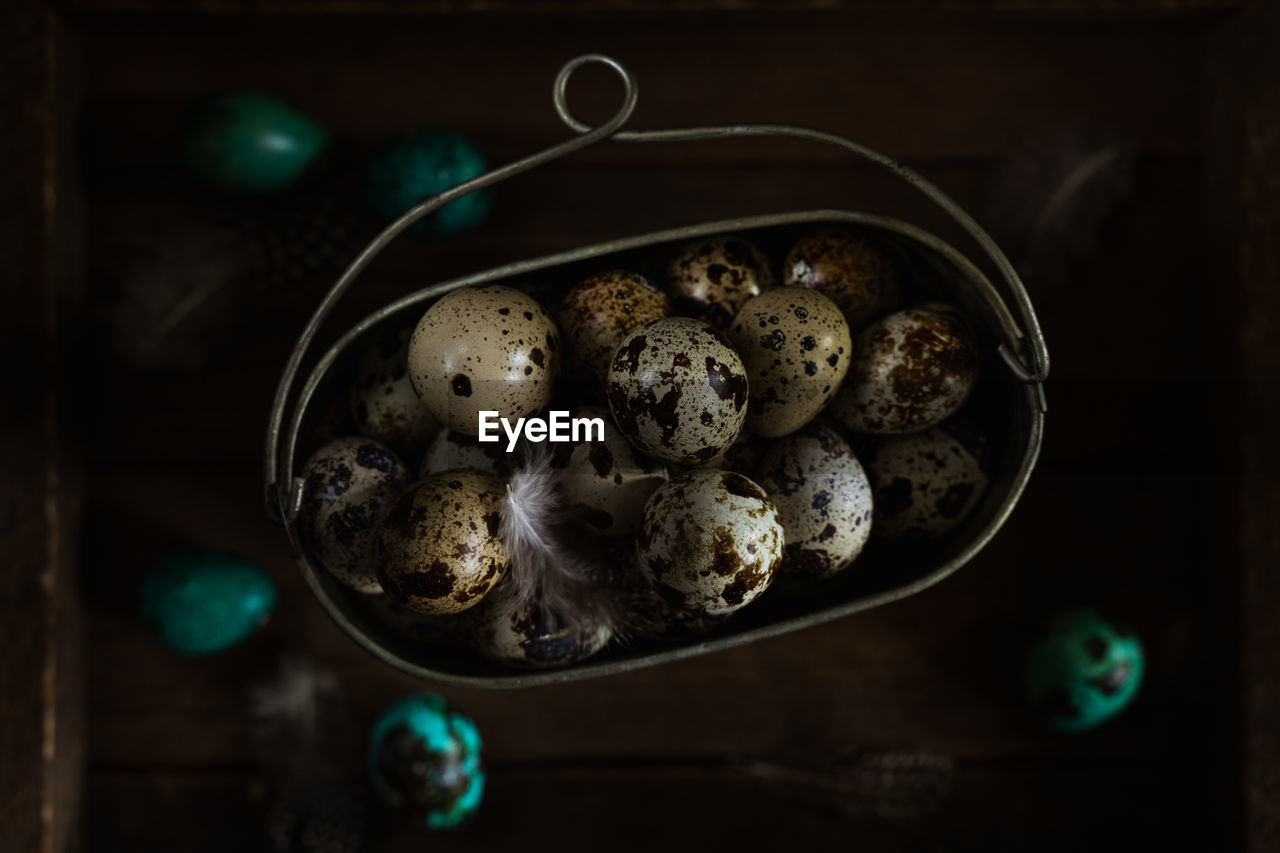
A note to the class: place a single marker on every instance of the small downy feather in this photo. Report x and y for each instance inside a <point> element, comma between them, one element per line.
<point>544,570</point>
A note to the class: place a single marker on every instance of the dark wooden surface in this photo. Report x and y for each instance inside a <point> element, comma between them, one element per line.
<point>1125,512</point>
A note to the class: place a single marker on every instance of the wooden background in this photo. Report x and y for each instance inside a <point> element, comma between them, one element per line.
<point>1154,497</point>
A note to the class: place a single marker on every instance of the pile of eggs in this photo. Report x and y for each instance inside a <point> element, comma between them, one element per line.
<point>764,422</point>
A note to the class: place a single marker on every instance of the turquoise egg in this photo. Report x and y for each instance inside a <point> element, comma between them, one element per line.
<point>248,142</point>
<point>201,602</point>
<point>425,757</point>
<point>1083,671</point>
<point>411,169</point>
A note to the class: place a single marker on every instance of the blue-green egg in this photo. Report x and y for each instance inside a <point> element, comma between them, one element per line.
<point>249,142</point>
<point>1083,671</point>
<point>409,170</point>
<point>201,602</point>
<point>425,757</point>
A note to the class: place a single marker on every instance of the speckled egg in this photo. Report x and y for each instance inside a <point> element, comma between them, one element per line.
<point>923,484</point>
<point>600,311</point>
<point>711,280</point>
<point>823,497</point>
<point>795,345</point>
<point>742,456</point>
<point>450,450</point>
<point>652,617</point>
<point>1083,671</point>
<point>424,757</point>
<point>710,542</point>
<point>846,267</point>
<point>678,390</point>
<point>384,405</point>
<point>437,549</point>
<point>202,602</point>
<point>911,370</point>
<point>347,485</point>
<point>484,348</point>
<point>606,482</point>
<point>529,639</point>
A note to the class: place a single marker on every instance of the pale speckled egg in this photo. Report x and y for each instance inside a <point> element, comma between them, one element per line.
<point>484,348</point>
<point>437,549</point>
<point>711,280</point>
<point>795,345</point>
<point>450,450</point>
<point>923,484</point>
<point>911,370</point>
<point>678,390</point>
<point>710,541</point>
<point>347,486</point>
<point>606,483</point>
<point>600,311</point>
<point>848,268</point>
<point>824,499</point>
<point>527,638</point>
<point>383,403</point>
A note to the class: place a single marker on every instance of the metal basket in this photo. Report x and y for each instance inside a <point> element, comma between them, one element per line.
<point>1015,401</point>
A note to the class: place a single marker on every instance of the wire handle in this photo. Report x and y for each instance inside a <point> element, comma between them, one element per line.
<point>1031,366</point>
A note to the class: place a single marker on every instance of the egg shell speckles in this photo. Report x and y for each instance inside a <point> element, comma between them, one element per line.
<point>383,403</point>
<point>347,486</point>
<point>923,484</point>
<point>712,280</point>
<point>795,345</point>
<point>606,483</point>
<point>450,450</point>
<point>437,549</point>
<point>911,370</point>
<point>678,390</point>
<point>524,638</point>
<point>597,315</point>
<point>823,497</point>
<point>710,542</point>
<point>484,348</point>
<point>846,267</point>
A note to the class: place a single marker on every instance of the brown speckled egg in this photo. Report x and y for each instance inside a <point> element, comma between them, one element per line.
<point>924,484</point>
<point>710,541</point>
<point>711,280</point>
<point>606,483</point>
<point>347,486</point>
<point>383,403</point>
<point>527,638</point>
<point>911,370</point>
<point>449,450</point>
<point>795,345</point>
<point>678,390</point>
<point>484,348</point>
<point>437,549</point>
<point>823,497</point>
<point>598,313</point>
<point>848,268</point>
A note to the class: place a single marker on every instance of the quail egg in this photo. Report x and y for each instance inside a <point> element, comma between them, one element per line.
<point>710,541</point>
<point>484,348</point>
<point>450,450</point>
<point>712,280</point>
<point>847,267</point>
<point>383,402</point>
<point>653,618</point>
<point>795,345</point>
<point>437,549</point>
<point>911,370</point>
<point>678,390</point>
<point>526,637</point>
<point>601,310</point>
<point>923,484</point>
<point>347,485</point>
<point>606,481</point>
<point>823,497</point>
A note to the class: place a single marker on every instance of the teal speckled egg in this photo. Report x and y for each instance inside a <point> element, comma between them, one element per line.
<point>425,757</point>
<point>201,602</point>
<point>411,169</point>
<point>1083,671</point>
<point>248,142</point>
